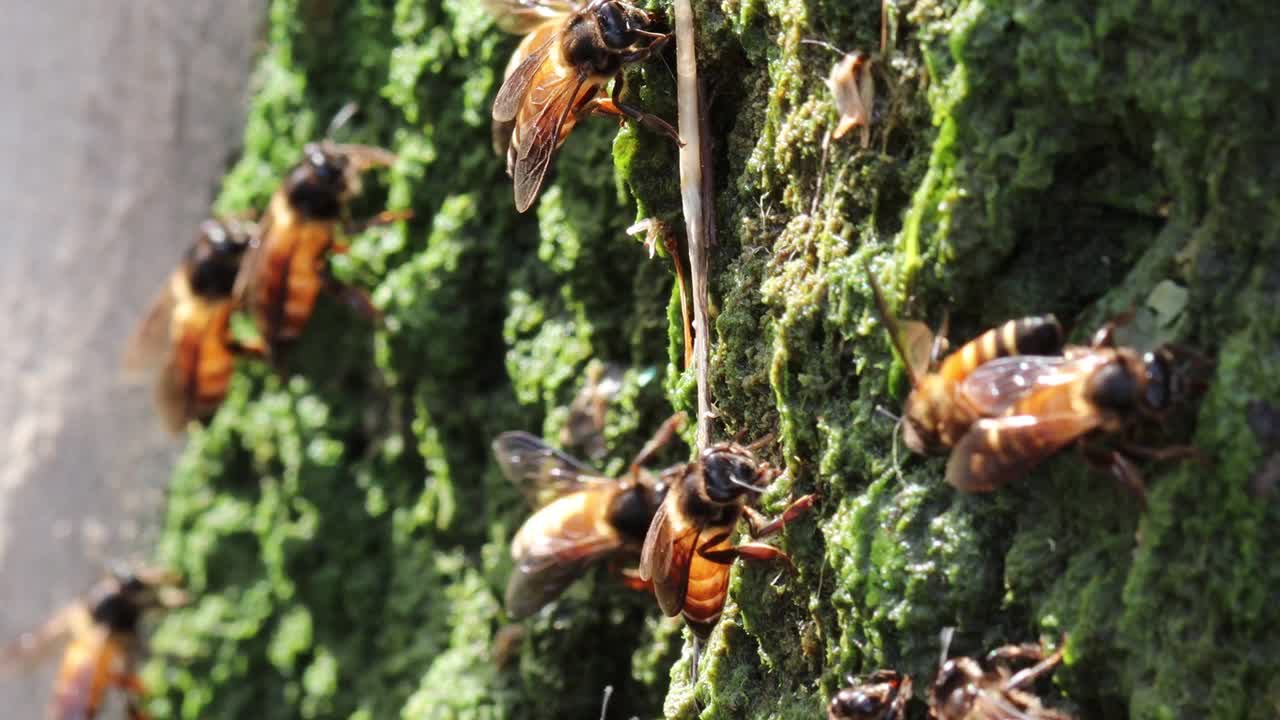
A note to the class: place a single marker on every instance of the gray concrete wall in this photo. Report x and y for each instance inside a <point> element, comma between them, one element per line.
<point>116,121</point>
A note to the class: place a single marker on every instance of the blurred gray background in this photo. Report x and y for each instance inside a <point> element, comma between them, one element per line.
<point>118,120</point>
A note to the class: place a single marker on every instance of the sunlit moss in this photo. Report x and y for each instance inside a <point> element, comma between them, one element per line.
<point>344,528</point>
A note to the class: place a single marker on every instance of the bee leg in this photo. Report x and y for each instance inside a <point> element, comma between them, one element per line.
<point>632,580</point>
<point>1026,652</point>
<point>252,348</point>
<point>748,551</point>
<point>758,526</point>
<point>660,438</point>
<point>1121,468</point>
<point>1027,676</point>
<point>386,217</point>
<point>1172,452</point>
<point>613,106</point>
<point>356,298</point>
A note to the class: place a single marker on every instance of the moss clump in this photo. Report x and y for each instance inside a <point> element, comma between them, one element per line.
<point>345,529</point>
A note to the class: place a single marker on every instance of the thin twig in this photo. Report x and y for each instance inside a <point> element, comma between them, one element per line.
<point>699,208</point>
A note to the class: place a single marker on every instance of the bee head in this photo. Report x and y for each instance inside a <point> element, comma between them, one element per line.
<point>618,23</point>
<point>120,600</point>
<point>215,257</point>
<point>729,472</point>
<point>319,184</point>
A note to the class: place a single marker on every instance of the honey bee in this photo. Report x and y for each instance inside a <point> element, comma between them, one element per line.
<point>1037,405</point>
<point>965,690</point>
<point>941,406</point>
<point>306,220</point>
<point>688,550</point>
<point>582,517</point>
<point>187,331</point>
<point>557,77</point>
<point>104,646</point>
<point>882,696</point>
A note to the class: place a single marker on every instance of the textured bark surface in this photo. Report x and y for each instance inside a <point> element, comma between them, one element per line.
<point>347,532</point>
<point>118,121</point>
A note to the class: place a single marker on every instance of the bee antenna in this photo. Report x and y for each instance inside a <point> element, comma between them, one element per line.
<point>341,118</point>
<point>824,44</point>
<point>748,486</point>
<point>604,708</point>
<point>890,325</point>
<point>887,413</point>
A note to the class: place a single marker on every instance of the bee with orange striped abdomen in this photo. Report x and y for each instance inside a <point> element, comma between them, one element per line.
<point>104,643</point>
<point>557,75</point>
<point>582,517</point>
<point>305,222</point>
<point>941,407</point>
<point>688,550</point>
<point>1038,405</point>
<point>187,331</point>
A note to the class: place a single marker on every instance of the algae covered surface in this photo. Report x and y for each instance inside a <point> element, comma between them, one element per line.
<point>345,529</point>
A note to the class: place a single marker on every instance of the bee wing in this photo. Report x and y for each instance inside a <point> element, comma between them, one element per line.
<point>243,293</point>
<point>665,560</point>
<point>520,79</point>
<point>997,450</point>
<point>540,471</point>
<point>34,646</point>
<point>149,345</point>
<point>917,343</point>
<point>995,385</point>
<point>522,16</point>
<point>551,562</point>
<point>555,103</point>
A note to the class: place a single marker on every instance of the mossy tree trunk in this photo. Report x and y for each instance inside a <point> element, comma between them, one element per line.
<point>345,528</point>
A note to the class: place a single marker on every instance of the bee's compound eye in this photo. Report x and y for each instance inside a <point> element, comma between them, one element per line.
<point>613,26</point>
<point>1156,394</point>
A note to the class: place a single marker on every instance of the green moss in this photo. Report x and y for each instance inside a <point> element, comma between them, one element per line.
<point>345,530</point>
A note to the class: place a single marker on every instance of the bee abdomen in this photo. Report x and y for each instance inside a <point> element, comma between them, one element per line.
<point>1036,335</point>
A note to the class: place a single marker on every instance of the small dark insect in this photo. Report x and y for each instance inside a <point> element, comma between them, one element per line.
<point>306,221</point>
<point>943,404</point>
<point>967,690</point>
<point>557,77</point>
<point>1035,406</point>
<point>582,517</point>
<point>585,427</point>
<point>688,550</point>
<point>186,333</point>
<point>881,696</point>
<point>105,645</point>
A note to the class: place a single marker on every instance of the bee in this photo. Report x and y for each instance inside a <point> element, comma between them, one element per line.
<point>286,266</point>
<point>688,550</point>
<point>882,696</point>
<point>941,406</point>
<point>105,645</point>
<point>582,517</point>
<point>965,690</point>
<point>557,76</point>
<point>1040,404</point>
<point>187,330</point>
